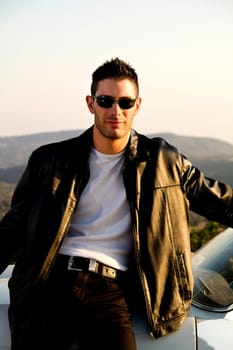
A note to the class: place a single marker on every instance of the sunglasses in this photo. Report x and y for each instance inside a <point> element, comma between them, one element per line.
<point>105,101</point>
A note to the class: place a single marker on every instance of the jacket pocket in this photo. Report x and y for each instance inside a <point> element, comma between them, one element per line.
<point>184,284</point>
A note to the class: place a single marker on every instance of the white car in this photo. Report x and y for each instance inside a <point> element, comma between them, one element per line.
<point>209,325</point>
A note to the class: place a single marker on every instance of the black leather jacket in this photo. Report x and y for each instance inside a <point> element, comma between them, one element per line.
<point>161,187</point>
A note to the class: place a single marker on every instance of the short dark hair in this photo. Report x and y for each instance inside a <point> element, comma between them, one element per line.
<point>114,69</point>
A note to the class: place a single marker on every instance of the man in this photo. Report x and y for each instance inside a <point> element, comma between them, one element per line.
<point>99,225</point>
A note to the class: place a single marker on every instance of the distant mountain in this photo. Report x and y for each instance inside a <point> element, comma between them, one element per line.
<point>15,150</point>
<point>199,147</point>
<point>213,156</point>
<point>11,175</point>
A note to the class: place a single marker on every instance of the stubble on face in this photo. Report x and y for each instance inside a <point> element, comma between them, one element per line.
<point>112,128</point>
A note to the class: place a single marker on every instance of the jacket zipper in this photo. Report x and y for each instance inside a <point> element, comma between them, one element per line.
<point>141,273</point>
<point>135,229</point>
<point>48,263</point>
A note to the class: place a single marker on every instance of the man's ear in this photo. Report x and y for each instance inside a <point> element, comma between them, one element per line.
<point>138,105</point>
<point>90,103</point>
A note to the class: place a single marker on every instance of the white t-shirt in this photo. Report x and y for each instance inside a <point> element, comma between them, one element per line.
<point>100,227</point>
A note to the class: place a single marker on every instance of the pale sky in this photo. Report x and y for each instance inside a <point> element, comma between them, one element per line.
<point>182,51</point>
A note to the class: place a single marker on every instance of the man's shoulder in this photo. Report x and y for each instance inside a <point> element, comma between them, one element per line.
<point>65,145</point>
<point>158,149</point>
<point>156,142</point>
<point>63,149</point>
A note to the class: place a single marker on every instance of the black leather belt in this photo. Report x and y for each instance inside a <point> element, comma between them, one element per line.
<point>84,264</point>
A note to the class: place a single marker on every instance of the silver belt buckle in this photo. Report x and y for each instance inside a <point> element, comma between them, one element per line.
<point>70,263</point>
<point>93,266</point>
<point>108,272</point>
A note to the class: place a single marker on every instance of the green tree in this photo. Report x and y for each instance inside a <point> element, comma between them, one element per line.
<point>200,236</point>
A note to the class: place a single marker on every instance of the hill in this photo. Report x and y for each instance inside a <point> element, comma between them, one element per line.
<point>199,147</point>
<point>15,150</point>
<point>6,191</point>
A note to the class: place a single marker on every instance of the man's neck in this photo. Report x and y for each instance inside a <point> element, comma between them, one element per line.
<point>109,146</point>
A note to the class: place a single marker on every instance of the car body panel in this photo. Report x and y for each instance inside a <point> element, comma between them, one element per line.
<point>4,328</point>
<point>183,339</point>
<point>214,329</point>
<point>215,334</point>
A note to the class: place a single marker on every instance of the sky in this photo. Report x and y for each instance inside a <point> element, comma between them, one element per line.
<point>182,51</point>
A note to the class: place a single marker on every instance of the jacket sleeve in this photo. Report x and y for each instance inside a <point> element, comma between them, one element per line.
<point>208,197</point>
<point>13,226</point>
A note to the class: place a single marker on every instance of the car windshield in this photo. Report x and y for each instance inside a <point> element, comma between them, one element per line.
<point>213,273</point>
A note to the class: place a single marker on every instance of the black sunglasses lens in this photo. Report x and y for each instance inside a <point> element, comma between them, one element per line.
<point>105,101</point>
<point>126,103</point>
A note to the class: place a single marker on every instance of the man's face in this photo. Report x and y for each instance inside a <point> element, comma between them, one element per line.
<point>114,123</point>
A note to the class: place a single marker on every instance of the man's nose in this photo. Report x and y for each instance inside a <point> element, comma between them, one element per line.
<point>115,105</point>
